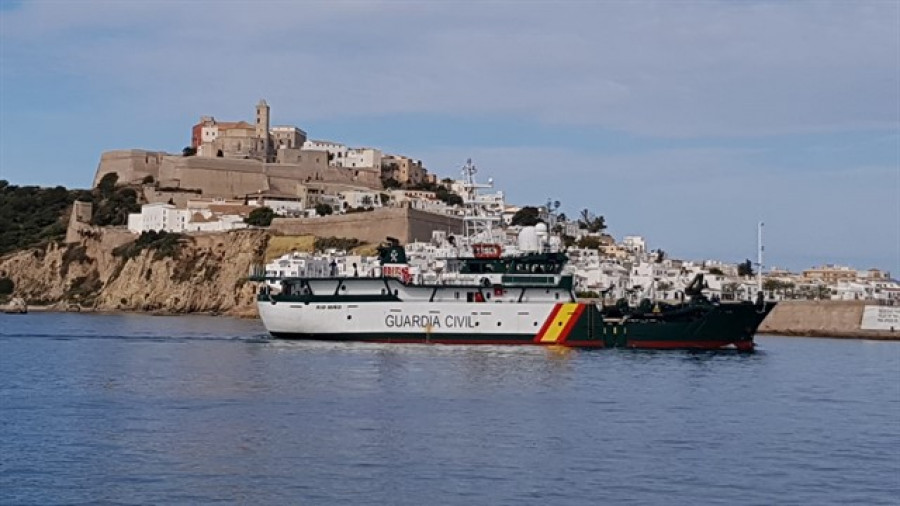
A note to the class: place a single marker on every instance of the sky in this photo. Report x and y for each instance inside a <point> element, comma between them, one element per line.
<point>685,122</point>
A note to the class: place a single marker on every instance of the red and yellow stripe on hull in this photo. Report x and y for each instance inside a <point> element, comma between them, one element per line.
<point>559,324</point>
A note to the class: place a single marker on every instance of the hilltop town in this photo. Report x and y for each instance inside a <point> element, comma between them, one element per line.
<point>236,175</point>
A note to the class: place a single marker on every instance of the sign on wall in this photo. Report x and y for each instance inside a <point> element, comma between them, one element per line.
<point>881,318</point>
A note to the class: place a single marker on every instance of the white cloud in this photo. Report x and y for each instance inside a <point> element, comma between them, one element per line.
<point>669,69</point>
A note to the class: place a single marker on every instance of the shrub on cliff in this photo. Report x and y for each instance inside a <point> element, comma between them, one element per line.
<point>6,286</point>
<point>260,217</point>
<point>163,244</point>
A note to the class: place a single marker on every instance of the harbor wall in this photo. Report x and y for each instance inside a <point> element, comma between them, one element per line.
<point>822,318</point>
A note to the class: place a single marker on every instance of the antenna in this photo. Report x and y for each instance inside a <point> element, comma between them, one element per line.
<point>759,259</point>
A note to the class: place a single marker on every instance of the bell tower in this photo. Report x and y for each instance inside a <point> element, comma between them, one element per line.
<point>263,145</point>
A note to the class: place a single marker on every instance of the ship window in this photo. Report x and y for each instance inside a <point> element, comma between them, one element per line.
<point>535,324</point>
<point>344,288</point>
<point>349,317</point>
<point>499,323</point>
<point>556,295</point>
<point>457,295</point>
<point>382,291</point>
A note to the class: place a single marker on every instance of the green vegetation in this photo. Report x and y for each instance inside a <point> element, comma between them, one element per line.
<point>188,151</point>
<point>390,183</point>
<point>32,216</point>
<point>338,243</point>
<point>6,286</point>
<point>593,224</point>
<point>76,253</point>
<point>163,244</point>
<point>324,209</point>
<point>84,289</point>
<point>260,217</point>
<point>745,268</point>
<point>112,204</point>
<point>526,217</point>
<point>588,242</point>
<point>716,271</point>
<point>448,197</point>
<point>441,191</point>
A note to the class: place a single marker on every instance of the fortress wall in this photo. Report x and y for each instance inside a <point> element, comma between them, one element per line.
<point>229,177</point>
<point>422,224</point>
<point>322,172</point>
<point>131,165</point>
<point>227,184</point>
<point>373,227</point>
<point>216,177</point>
<point>179,199</point>
<point>79,220</point>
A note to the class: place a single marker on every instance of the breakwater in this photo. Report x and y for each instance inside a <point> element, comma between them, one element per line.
<point>822,318</point>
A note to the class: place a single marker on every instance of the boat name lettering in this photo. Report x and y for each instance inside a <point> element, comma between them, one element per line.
<point>419,321</point>
<point>328,306</point>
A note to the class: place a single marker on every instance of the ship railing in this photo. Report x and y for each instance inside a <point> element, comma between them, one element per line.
<point>257,272</point>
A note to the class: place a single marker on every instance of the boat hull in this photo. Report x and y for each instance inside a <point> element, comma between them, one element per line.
<point>712,326</point>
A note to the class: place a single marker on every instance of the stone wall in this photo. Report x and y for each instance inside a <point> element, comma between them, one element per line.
<point>405,224</point>
<point>79,220</point>
<point>821,318</point>
<point>230,177</point>
<point>131,165</point>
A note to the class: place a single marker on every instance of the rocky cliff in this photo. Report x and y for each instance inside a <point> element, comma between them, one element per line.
<point>107,270</point>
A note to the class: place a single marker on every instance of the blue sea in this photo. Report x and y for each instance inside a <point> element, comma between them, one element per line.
<point>135,409</point>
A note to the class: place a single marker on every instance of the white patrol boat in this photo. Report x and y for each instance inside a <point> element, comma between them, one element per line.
<point>489,298</point>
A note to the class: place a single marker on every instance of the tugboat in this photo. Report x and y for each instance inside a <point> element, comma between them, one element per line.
<point>524,299</point>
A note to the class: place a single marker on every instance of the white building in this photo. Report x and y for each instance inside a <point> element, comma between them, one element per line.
<point>281,203</point>
<point>634,244</point>
<point>360,158</point>
<point>337,152</point>
<point>162,217</point>
<point>366,199</point>
<point>158,217</point>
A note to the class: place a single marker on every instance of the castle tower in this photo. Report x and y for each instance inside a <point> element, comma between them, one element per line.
<point>263,144</point>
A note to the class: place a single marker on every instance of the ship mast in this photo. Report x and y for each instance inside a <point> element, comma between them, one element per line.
<point>478,222</point>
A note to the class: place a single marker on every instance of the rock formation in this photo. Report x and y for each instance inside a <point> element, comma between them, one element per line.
<point>203,273</point>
